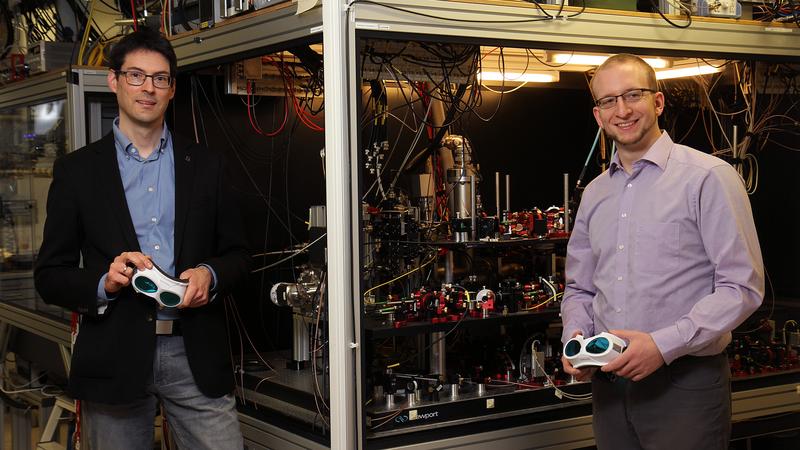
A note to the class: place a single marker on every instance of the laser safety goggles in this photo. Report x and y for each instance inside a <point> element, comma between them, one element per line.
<point>597,350</point>
<point>155,283</point>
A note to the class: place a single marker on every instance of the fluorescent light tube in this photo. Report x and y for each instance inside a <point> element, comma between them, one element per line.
<point>686,72</point>
<point>582,59</point>
<point>516,77</point>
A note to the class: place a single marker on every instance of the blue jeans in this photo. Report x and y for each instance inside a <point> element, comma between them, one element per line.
<point>195,421</point>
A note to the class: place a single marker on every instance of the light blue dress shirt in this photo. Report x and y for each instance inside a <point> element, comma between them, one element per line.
<point>149,186</point>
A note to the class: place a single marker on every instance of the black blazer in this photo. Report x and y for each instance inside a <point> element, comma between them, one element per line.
<point>88,221</point>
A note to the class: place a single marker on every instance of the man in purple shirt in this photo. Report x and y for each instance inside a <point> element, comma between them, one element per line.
<point>664,254</point>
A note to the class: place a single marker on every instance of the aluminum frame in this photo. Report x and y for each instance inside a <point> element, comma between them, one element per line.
<point>592,29</point>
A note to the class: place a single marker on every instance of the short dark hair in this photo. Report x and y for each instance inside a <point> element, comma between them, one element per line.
<point>144,39</point>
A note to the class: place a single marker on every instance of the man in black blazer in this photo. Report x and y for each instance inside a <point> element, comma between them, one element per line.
<point>139,196</point>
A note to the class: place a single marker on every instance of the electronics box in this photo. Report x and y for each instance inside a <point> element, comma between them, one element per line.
<point>704,8</point>
<point>259,4</point>
<point>44,56</point>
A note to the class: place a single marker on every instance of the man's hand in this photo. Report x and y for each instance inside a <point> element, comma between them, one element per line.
<point>120,270</point>
<point>582,374</point>
<point>640,359</point>
<point>200,279</point>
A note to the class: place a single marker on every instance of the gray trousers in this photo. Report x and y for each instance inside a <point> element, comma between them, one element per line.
<point>685,405</point>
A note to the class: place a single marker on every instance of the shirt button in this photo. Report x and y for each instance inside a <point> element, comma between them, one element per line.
<point>153,219</point>
<point>621,247</point>
<point>630,185</point>
<point>618,278</point>
<point>619,310</point>
<point>624,215</point>
<point>150,189</point>
<point>157,247</point>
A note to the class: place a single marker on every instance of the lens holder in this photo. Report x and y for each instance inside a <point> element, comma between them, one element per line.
<point>168,291</point>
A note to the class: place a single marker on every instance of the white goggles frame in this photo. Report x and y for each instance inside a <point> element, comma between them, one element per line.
<point>585,358</point>
<point>156,284</point>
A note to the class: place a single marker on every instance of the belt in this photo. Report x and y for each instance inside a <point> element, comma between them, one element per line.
<point>168,328</point>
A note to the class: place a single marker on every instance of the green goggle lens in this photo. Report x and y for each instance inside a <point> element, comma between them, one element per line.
<point>169,299</point>
<point>598,345</point>
<point>572,348</point>
<point>145,284</point>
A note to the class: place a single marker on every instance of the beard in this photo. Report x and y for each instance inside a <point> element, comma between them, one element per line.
<point>636,139</point>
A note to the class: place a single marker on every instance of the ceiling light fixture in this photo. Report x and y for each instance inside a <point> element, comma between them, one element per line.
<point>584,59</point>
<point>703,69</point>
<point>517,77</point>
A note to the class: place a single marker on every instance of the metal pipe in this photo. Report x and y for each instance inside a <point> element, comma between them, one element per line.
<point>497,193</point>
<point>508,192</point>
<point>300,339</point>
<point>566,203</point>
<point>438,353</point>
<point>472,213</point>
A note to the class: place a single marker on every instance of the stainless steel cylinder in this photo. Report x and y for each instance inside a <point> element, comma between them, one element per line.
<point>300,340</point>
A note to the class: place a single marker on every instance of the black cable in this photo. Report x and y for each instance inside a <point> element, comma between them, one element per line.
<point>717,67</point>
<point>225,130</point>
<point>450,19</point>
<point>292,240</point>
<point>688,16</point>
<point>437,139</point>
<point>529,51</point>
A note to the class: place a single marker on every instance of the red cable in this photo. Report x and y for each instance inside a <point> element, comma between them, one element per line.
<point>76,435</point>
<point>133,15</point>
<point>426,100</point>
<point>288,85</point>
<point>301,113</point>
<point>256,127</point>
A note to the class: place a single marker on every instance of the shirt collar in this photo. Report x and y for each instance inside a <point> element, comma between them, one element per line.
<point>658,154</point>
<point>125,145</point>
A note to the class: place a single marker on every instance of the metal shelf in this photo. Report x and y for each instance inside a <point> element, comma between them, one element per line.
<point>238,37</point>
<point>599,29</point>
<point>593,29</point>
<point>34,89</point>
<point>53,330</point>
<point>279,27</point>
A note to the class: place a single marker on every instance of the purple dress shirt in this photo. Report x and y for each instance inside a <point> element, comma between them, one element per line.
<point>670,250</point>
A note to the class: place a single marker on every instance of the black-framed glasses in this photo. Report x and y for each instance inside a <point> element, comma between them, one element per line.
<point>137,78</point>
<point>632,96</point>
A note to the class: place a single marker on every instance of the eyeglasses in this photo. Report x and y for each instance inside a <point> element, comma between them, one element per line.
<point>166,290</point>
<point>136,78</point>
<point>632,96</point>
<point>594,351</point>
